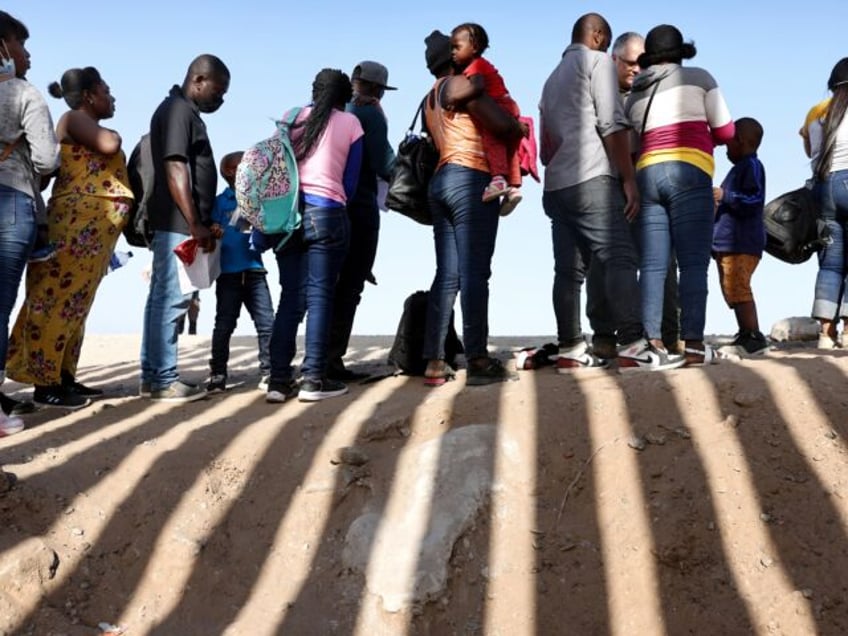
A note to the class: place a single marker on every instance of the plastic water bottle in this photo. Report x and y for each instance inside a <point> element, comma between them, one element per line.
<point>118,259</point>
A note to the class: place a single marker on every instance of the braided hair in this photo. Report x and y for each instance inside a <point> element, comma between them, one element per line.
<point>331,90</point>
<point>476,35</point>
<point>838,83</point>
<point>75,82</point>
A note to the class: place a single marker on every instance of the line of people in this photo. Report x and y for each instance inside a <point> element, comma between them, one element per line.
<point>627,143</point>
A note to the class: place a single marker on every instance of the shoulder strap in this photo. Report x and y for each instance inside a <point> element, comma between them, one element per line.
<point>420,112</point>
<point>648,107</point>
<point>10,148</point>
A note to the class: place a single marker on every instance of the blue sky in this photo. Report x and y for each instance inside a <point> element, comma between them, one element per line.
<point>772,63</point>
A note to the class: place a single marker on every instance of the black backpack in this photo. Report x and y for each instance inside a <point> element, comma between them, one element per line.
<point>794,230</point>
<point>407,353</point>
<point>137,231</point>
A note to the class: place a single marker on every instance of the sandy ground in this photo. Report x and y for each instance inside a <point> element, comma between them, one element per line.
<point>698,501</point>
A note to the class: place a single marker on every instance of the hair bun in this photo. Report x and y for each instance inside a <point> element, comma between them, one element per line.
<point>55,90</point>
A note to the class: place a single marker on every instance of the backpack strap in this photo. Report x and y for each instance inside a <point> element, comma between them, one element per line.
<point>293,113</point>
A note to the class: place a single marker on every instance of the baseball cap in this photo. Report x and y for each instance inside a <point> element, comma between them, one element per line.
<point>373,72</point>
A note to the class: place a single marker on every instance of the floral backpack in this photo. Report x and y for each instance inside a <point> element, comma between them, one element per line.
<point>267,184</point>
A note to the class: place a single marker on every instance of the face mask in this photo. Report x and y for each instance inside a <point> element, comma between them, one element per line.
<point>7,64</point>
<point>209,105</point>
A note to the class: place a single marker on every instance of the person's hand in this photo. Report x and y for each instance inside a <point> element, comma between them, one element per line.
<point>525,128</point>
<point>631,197</point>
<point>217,230</point>
<point>204,237</point>
<point>718,195</point>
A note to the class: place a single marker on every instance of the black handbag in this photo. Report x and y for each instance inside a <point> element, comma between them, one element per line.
<point>416,162</point>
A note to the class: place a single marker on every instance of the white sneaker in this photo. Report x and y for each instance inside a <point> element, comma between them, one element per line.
<point>9,424</point>
<point>643,356</point>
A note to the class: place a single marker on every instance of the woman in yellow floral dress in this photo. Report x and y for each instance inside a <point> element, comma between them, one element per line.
<point>87,210</point>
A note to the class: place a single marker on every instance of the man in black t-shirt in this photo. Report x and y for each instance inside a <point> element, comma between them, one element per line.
<point>183,194</point>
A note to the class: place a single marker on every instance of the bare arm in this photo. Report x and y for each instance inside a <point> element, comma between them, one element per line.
<point>459,91</point>
<point>82,129</point>
<point>617,145</point>
<point>179,185</point>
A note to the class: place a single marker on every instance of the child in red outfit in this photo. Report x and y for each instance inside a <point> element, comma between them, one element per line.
<point>468,42</point>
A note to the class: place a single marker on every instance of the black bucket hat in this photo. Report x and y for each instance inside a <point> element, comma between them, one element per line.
<point>664,43</point>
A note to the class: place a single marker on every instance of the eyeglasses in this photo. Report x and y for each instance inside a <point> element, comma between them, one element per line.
<point>628,62</point>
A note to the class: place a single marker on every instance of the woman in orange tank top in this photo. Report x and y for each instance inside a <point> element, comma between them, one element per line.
<point>464,227</point>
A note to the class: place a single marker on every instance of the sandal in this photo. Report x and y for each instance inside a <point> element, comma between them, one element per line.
<point>707,355</point>
<point>443,376</point>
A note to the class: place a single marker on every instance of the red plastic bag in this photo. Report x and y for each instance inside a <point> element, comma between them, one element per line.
<point>187,251</point>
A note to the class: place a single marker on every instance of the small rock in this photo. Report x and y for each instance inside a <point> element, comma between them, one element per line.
<point>747,398</point>
<point>732,421</point>
<point>831,434</point>
<point>350,455</point>
<point>766,561</point>
<point>638,442</point>
<point>682,433</point>
<point>711,526</point>
<point>807,593</point>
<point>656,439</point>
<point>77,532</point>
<point>764,516</point>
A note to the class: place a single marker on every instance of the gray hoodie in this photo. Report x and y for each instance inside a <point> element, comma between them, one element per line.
<point>23,112</point>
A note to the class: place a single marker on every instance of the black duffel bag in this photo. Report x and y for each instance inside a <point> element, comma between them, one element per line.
<point>417,157</point>
<point>794,231</point>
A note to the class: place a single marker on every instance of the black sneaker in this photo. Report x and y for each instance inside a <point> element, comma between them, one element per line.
<point>753,342</point>
<point>493,372</point>
<point>69,382</point>
<point>59,396</point>
<point>279,392</point>
<point>315,390</point>
<point>217,383</point>
<point>178,392</point>
<point>11,406</point>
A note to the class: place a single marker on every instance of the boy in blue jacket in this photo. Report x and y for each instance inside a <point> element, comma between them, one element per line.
<point>242,282</point>
<point>739,235</point>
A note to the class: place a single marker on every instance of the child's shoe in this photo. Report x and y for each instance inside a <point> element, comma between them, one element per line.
<point>9,425</point>
<point>511,199</point>
<point>752,342</point>
<point>217,383</point>
<point>496,189</point>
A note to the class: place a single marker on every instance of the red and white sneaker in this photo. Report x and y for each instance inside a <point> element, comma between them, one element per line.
<point>496,189</point>
<point>578,359</point>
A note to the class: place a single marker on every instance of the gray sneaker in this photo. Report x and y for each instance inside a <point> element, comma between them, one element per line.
<point>144,389</point>
<point>178,392</point>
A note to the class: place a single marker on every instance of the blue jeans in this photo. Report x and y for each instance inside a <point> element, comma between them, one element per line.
<point>464,231</point>
<point>677,209</point>
<point>232,290</point>
<point>17,236</point>
<point>165,304</point>
<point>309,267</point>
<point>832,195</point>
<point>364,232</point>
<point>588,225</point>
